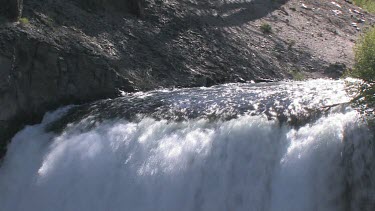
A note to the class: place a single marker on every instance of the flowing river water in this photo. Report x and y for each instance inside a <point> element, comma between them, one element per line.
<point>230,147</point>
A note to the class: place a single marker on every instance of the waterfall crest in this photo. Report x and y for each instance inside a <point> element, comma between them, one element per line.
<point>250,162</point>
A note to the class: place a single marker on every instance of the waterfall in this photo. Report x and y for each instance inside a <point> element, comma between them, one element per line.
<point>247,162</point>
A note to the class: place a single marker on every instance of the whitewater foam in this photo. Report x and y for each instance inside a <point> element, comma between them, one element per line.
<point>245,163</point>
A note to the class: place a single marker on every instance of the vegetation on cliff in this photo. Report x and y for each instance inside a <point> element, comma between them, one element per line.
<point>369,5</point>
<point>364,68</point>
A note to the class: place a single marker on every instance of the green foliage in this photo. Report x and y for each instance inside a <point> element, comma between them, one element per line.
<point>48,21</point>
<point>297,75</point>
<point>368,5</point>
<point>266,28</point>
<point>364,68</point>
<point>291,43</point>
<point>24,21</point>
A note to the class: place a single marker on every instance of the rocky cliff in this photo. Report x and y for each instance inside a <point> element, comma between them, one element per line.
<point>74,51</point>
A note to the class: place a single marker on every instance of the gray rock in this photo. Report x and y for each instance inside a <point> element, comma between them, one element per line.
<point>12,9</point>
<point>335,71</point>
<point>39,76</point>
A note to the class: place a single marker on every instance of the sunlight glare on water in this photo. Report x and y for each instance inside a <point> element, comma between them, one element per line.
<point>248,162</point>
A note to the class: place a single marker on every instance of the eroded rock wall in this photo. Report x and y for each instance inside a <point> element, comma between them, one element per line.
<point>11,9</point>
<point>37,76</point>
<point>135,7</point>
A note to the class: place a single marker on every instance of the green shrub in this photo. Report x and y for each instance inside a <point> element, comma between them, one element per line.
<point>368,5</point>
<point>297,75</point>
<point>364,68</point>
<point>266,28</point>
<point>291,43</point>
<point>24,21</point>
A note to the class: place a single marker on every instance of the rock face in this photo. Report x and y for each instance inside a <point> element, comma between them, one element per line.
<point>76,51</point>
<point>37,76</point>
<point>11,9</point>
<point>135,7</point>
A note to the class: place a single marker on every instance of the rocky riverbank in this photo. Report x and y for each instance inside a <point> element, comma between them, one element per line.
<point>63,52</point>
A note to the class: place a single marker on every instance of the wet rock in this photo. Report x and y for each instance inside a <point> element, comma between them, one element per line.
<point>305,7</point>
<point>337,12</point>
<point>335,71</point>
<point>358,12</point>
<point>337,5</point>
<point>361,20</point>
<point>39,76</point>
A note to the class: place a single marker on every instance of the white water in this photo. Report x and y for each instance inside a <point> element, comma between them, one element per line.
<point>247,163</point>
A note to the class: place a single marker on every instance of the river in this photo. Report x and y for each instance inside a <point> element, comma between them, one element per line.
<point>271,146</point>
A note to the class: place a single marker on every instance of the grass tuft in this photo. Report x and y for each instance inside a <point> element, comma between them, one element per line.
<point>368,5</point>
<point>297,75</point>
<point>24,21</point>
<point>266,28</point>
<point>364,68</point>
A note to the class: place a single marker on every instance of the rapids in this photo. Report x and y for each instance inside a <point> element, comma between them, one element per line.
<point>163,151</point>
